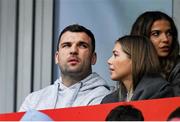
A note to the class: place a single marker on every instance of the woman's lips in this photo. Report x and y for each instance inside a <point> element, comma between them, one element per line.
<point>165,48</point>
<point>111,70</point>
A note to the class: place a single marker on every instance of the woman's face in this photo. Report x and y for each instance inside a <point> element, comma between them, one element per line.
<point>120,64</point>
<point>161,37</point>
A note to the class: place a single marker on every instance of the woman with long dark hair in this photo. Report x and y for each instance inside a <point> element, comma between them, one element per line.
<point>162,32</point>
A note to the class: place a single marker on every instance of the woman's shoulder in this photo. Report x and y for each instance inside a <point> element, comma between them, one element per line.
<point>110,98</point>
<point>178,62</point>
<point>174,79</point>
<point>152,82</point>
<point>175,73</point>
<point>152,86</point>
<point>177,67</point>
<point>153,79</point>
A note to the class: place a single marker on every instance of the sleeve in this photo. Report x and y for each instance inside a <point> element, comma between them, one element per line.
<point>164,92</point>
<point>156,90</point>
<point>175,81</point>
<point>27,104</point>
<point>110,98</point>
<point>96,96</point>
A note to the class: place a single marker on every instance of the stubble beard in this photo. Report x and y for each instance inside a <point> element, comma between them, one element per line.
<point>76,74</point>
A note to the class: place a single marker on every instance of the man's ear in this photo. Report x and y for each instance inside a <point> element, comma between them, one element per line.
<point>56,57</point>
<point>94,58</point>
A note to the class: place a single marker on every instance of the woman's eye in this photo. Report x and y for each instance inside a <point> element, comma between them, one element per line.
<point>155,33</point>
<point>115,55</point>
<point>169,33</point>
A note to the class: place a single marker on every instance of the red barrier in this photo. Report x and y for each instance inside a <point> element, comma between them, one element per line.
<point>157,109</point>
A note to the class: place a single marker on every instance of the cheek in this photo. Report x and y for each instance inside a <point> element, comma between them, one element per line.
<point>170,40</point>
<point>86,56</point>
<point>123,68</point>
<point>155,43</point>
<point>60,58</point>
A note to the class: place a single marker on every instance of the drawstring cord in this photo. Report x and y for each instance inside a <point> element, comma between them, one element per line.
<point>74,96</point>
<point>57,95</point>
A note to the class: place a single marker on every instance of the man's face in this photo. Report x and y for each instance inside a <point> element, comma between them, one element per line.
<point>75,55</point>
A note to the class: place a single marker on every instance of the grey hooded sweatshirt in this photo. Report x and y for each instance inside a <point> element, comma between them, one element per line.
<point>89,91</point>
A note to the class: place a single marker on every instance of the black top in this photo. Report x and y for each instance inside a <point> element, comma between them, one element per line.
<point>174,79</point>
<point>150,87</point>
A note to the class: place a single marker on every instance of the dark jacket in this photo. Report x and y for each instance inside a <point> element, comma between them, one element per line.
<point>150,87</point>
<point>174,79</point>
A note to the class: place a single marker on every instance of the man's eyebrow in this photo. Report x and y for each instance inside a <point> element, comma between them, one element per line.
<point>65,43</point>
<point>83,42</point>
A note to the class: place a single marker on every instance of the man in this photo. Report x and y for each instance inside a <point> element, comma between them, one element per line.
<point>77,86</point>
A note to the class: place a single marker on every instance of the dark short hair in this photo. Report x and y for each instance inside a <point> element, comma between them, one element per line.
<point>174,114</point>
<point>78,28</point>
<point>125,113</point>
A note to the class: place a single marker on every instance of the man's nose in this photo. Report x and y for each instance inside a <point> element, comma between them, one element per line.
<point>74,50</point>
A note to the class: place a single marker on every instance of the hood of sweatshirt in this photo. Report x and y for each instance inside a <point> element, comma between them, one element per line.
<point>90,82</point>
<point>88,91</point>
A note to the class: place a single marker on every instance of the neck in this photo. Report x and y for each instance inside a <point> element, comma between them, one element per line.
<point>69,80</point>
<point>128,85</point>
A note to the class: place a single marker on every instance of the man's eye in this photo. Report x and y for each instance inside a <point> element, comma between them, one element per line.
<point>65,45</point>
<point>83,46</point>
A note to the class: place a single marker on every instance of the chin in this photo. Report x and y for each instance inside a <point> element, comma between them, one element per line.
<point>113,78</point>
<point>163,55</point>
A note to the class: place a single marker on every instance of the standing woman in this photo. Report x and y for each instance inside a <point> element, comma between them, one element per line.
<point>161,30</point>
<point>135,65</point>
